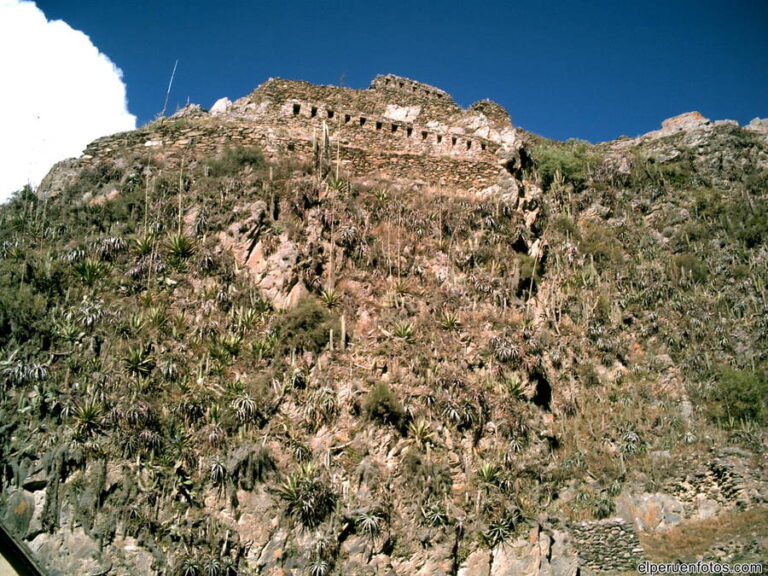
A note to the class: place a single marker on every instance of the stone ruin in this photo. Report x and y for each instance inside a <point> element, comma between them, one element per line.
<point>397,130</point>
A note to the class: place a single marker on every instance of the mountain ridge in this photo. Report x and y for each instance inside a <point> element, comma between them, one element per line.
<point>271,339</point>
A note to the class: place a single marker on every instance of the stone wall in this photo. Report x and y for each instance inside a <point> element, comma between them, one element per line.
<point>717,480</point>
<point>372,131</point>
<point>374,100</point>
<point>607,546</point>
<point>398,129</point>
<point>406,86</point>
<point>372,119</point>
<point>170,142</point>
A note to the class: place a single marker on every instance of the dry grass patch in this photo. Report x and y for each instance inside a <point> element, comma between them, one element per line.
<point>695,538</point>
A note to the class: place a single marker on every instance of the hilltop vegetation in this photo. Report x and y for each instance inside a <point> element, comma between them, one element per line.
<point>438,387</point>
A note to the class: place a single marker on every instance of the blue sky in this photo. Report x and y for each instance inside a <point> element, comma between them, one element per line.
<point>587,69</point>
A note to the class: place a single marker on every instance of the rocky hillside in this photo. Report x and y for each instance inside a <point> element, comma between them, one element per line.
<point>227,364</point>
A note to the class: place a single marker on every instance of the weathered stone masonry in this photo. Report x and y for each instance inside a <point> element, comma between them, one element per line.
<point>397,129</point>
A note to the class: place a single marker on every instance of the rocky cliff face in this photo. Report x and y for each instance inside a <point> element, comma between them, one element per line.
<point>274,339</point>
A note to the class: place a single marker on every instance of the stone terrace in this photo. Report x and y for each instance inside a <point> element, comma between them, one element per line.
<point>397,129</point>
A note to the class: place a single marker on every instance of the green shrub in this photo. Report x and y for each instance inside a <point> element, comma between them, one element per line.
<point>22,314</point>
<point>687,267</point>
<point>571,160</point>
<point>235,159</point>
<point>748,222</point>
<point>382,406</point>
<point>739,396</point>
<point>565,225</point>
<point>600,242</point>
<point>428,477</point>
<point>530,274</point>
<point>676,173</point>
<point>307,327</point>
<point>588,377</point>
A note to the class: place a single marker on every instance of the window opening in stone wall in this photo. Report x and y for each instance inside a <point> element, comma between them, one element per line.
<point>314,111</point>
<point>426,92</point>
<point>482,145</point>
<point>378,125</point>
<point>453,141</point>
<point>296,109</point>
<point>347,118</point>
<point>401,84</point>
<point>424,135</point>
<point>394,128</point>
<point>439,138</point>
<point>291,146</point>
<point>408,132</point>
<point>330,113</point>
<point>469,144</point>
<point>362,121</point>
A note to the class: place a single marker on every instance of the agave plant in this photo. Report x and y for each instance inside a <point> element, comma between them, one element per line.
<point>21,372</point>
<point>421,433</point>
<point>169,369</point>
<point>631,443</point>
<point>331,298</point>
<point>321,407</point>
<point>265,346</point>
<point>68,330</point>
<point>190,410</point>
<point>90,271</point>
<point>212,567</point>
<point>500,530</point>
<point>404,331</point>
<point>488,473</point>
<point>87,418</point>
<point>189,567</point>
<point>513,386</point>
<point>138,362</point>
<point>337,184</point>
<point>135,324</point>
<point>222,348</point>
<point>138,414</point>
<point>150,441</point>
<point>145,244</point>
<point>217,472</point>
<point>368,523</point>
<point>505,350</point>
<point>449,320</point>
<point>179,246</point>
<point>157,316</point>
<point>246,408</point>
<point>348,236</point>
<point>309,499</point>
<point>108,248</point>
<point>245,317</point>
<point>215,435</point>
<point>89,312</point>
<point>319,567</point>
<point>435,515</point>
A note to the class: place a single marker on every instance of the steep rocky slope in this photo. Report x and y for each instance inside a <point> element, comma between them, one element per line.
<point>217,364</point>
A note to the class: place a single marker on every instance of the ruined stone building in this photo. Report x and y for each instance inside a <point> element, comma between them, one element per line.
<point>397,129</point>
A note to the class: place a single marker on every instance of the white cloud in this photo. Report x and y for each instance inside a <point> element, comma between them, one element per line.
<point>58,94</point>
